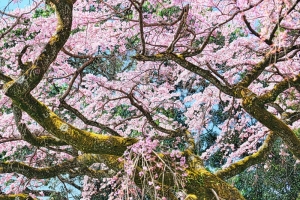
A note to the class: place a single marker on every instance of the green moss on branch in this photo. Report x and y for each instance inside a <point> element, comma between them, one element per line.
<point>248,161</point>
<point>17,196</point>
<point>85,141</point>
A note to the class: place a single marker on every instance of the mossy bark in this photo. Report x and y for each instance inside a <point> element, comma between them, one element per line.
<point>16,197</point>
<point>206,186</point>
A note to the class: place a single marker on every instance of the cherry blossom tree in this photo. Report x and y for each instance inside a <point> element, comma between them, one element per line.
<point>111,98</point>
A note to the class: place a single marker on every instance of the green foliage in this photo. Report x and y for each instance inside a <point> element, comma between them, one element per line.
<point>58,196</point>
<point>133,41</point>
<point>55,89</point>
<point>19,32</point>
<point>124,13</point>
<point>168,12</point>
<point>122,111</point>
<point>163,12</point>
<point>278,178</point>
<point>22,152</point>
<point>135,133</point>
<point>76,30</point>
<point>148,7</point>
<point>4,158</point>
<point>43,12</point>
<point>170,113</point>
<point>297,132</point>
<point>170,143</point>
<point>8,44</point>
<point>236,34</point>
<point>218,39</point>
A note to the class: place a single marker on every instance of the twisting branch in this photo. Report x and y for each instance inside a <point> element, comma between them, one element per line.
<point>181,28</point>
<point>5,78</point>
<point>11,28</point>
<point>172,133</point>
<point>267,41</point>
<point>271,95</point>
<point>82,140</point>
<point>281,18</point>
<point>78,71</point>
<point>75,55</point>
<point>257,157</point>
<point>41,141</point>
<point>145,113</point>
<point>179,59</point>
<point>29,80</point>
<point>290,118</point>
<point>270,58</point>
<point>292,55</point>
<point>16,196</point>
<point>18,19</point>
<point>38,173</point>
<point>217,74</point>
<point>212,29</point>
<point>74,167</point>
<point>254,106</point>
<point>87,121</point>
<point>24,66</point>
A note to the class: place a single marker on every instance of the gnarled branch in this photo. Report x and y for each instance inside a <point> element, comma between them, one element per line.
<point>248,161</point>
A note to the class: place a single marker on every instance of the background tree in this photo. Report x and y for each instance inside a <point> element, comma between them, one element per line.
<point>149,99</point>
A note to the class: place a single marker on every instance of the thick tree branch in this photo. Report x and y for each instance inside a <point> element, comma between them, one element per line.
<point>74,167</point>
<point>257,157</point>
<point>16,196</point>
<point>290,118</point>
<point>5,78</point>
<point>38,173</point>
<point>78,71</point>
<point>197,178</point>
<point>271,58</point>
<point>29,80</point>
<point>179,59</point>
<point>41,141</point>
<point>271,95</point>
<point>253,105</point>
<point>85,141</point>
<point>180,30</point>
<point>87,121</point>
<point>147,114</point>
<point>24,66</point>
<point>19,90</point>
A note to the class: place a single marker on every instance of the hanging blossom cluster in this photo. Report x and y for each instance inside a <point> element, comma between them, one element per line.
<point>142,161</point>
